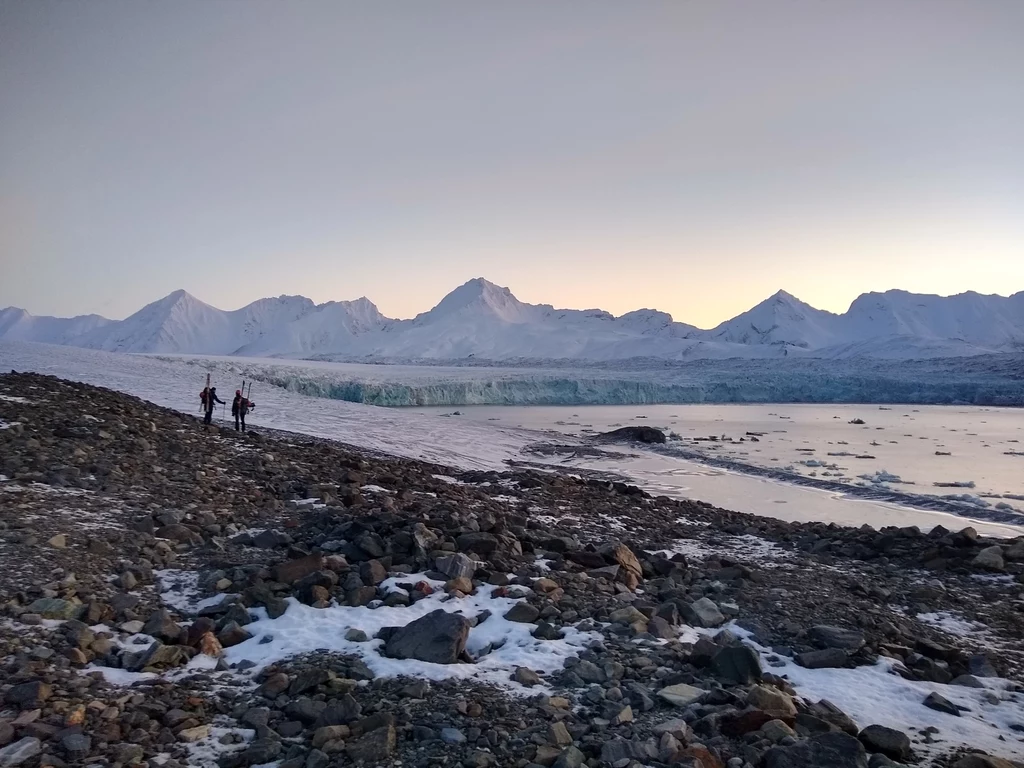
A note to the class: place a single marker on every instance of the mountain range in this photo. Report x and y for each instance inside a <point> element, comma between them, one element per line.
<point>484,321</point>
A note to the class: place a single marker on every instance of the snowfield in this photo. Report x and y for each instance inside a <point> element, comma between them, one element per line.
<point>483,321</point>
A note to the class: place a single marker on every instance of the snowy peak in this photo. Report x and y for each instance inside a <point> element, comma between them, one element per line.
<point>479,297</point>
<point>780,319</point>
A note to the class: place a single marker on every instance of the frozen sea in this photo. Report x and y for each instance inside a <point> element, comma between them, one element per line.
<point>489,437</point>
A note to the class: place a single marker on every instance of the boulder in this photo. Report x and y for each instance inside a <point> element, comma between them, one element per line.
<point>479,542</point>
<point>439,638</point>
<point>990,558</point>
<point>824,659</point>
<point>20,752</point>
<point>835,750</point>
<point>523,613</point>
<point>941,704</point>
<point>457,566</point>
<point>374,747</point>
<point>291,571</point>
<point>703,613</point>
<point>983,761</point>
<point>737,663</point>
<point>682,695</point>
<point>55,608</point>
<point>773,701</point>
<point>837,637</point>
<point>888,741</point>
<point>638,434</point>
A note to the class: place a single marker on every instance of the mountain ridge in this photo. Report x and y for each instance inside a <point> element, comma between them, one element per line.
<point>482,320</point>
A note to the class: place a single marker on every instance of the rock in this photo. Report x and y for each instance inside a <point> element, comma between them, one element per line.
<point>773,701</point>
<point>258,752</point>
<point>615,750</point>
<point>682,695</point>
<point>777,730</point>
<point>270,539</point>
<point>837,637</point>
<point>292,570</point>
<point>161,626</point>
<point>940,704</point>
<point>523,612</point>
<point>703,613</point>
<point>231,635</point>
<point>464,586</point>
<point>828,712</point>
<point>439,637</point>
<point>374,747</point>
<point>6,733</point>
<point>547,631</point>
<point>526,676</point>
<point>634,435</point>
<point>190,735</point>
<point>589,672</point>
<point>54,608</point>
<point>20,752</point>
<point>274,685</point>
<point>738,663</point>
<point>980,666</point>
<point>354,635</point>
<point>570,757</point>
<point>29,695</point>
<point>983,761</point>
<point>60,541</point>
<point>627,615</point>
<point>330,733</point>
<point>824,659</point>
<point>307,680</point>
<point>888,741</point>
<point>373,572</point>
<point>990,558</point>
<point>967,681</point>
<point>479,542</point>
<point>457,566</point>
<point>559,735</point>
<point>630,572</point>
<point>835,750</point>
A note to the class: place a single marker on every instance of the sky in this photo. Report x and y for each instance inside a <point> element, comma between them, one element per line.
<point>688,156</point>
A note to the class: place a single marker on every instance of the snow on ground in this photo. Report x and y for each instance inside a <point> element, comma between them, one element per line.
<point>743,547</point>
<point>180,590</point>
<point>952,624</point>
<point>990,717</point>
<point>303,629</point>
<point>13,399</point>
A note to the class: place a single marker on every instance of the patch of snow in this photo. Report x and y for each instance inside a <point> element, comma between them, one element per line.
<point>303,629</point>
<point>951,623</point>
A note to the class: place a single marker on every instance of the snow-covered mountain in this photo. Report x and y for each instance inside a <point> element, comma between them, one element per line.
<point>487,322</point>
<point>18,325</point>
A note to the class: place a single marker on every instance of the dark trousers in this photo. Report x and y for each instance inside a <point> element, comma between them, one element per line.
<point>208,417</point>
<point>239,419</point>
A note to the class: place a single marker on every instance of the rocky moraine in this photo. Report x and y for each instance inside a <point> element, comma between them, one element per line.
<point>171,596</point>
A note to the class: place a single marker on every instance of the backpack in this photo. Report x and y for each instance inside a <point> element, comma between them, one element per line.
<point>202,397</point>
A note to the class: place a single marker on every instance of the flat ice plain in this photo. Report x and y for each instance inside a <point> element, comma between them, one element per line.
<point>478,443</point>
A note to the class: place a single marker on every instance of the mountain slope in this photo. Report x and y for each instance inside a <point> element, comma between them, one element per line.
<point>781,319</point>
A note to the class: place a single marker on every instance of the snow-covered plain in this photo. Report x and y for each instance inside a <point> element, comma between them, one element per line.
<point>456,441</point>
<point>485,321</point>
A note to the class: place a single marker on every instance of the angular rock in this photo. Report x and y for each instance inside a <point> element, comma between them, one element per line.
<point>888,741</point>
<point>990,558</point>
<point>835,750</point>
<point>773,701</point>
<point>940,704</point>
<point>738,663</point>
<point>703,613</point>
<point>479,542</point>
<point>374,747</point>
<point>55,608</point>
<point>457,566</point>
<point>824,659</point>
<point>439,638</point>
<point>20,752</point>
<point>292,570</point>
<point>682,695</point>
<point>29,695</point>
<point>523,612</point>
<point>570,757</point>
<point>837,637</point>
<point>271,539</point>
<point>161,626</point>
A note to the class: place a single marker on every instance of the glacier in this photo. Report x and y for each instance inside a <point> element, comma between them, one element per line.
<point>481,321</point>
<point>980,380</point>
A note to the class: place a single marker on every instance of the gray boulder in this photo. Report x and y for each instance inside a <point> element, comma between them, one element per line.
<point>836,750</point>
<point>837,637</point>
<point>888,741</point>
<point>439,638</point>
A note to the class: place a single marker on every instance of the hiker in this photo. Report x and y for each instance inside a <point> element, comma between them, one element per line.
<point>240,406</point>
<point>209,399</point>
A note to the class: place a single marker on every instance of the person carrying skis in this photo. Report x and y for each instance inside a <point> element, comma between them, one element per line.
<point>241,406</point>
<point>209,400</point>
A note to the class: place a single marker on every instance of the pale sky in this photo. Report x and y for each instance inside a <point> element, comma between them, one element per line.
<point>690,156</point>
